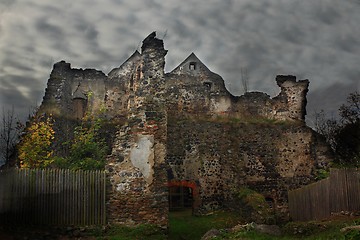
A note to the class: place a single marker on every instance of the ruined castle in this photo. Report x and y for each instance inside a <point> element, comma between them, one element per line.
<point>184,129</point>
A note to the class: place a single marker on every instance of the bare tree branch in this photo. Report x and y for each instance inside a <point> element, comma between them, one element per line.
<point>9,134</point>
<point>244,79</point>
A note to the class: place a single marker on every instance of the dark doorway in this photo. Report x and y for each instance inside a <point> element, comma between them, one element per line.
<point>180,197</point>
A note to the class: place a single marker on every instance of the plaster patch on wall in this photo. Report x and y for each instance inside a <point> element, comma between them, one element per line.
<point>222,104</point>
<point>142,156</point>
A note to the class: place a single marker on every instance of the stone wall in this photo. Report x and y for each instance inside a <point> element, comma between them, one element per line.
<point>185,127</point>
<point>221,155</point>
<point>66,84</point>
<point>138,192</point>
<point>193,88</point>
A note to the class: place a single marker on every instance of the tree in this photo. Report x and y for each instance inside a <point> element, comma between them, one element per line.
<point>348,143</point>
<point>327,127</point>
<point>348,136</point>
<point>344,135</point>
<point>10,128</point>
<point>34,148</point>
<point>350,113</point>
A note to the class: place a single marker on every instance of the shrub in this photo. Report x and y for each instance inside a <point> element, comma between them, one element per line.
<point>254,207</point>
<point>87,150</point>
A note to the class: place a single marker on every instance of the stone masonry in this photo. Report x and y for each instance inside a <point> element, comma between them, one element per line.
<point>184,127</point>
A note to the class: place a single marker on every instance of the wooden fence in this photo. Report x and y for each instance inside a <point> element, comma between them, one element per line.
<point>339,192</point>
<point>52,197</point>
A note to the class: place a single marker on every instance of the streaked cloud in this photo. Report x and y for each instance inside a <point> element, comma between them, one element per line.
<point>315,39</point>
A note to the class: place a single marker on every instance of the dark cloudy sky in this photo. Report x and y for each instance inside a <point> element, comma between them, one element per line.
<point>314,39</point>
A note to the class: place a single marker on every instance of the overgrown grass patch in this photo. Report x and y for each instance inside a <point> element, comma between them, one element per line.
<point>183,225</point>
<point>120,232</point>
<point>314,230</point>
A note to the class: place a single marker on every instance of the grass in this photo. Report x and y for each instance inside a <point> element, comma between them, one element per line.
<point>322,230</point>
<point>120,232</point>
<point>182,225</point>
<point>185,226</point>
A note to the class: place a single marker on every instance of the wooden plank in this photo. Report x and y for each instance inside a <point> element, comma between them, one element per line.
<point>44,198</point>
<point>76,198</point>
<point>60,189</point>
<point>353,189</point>
<point>37,217</point>
<point>71,199</point>
<point>68,197</point>
<point>104,198</point>
<point>86,197</point>
<point>91,200</point>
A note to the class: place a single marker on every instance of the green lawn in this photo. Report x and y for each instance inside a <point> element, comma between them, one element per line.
<point>185,226</point>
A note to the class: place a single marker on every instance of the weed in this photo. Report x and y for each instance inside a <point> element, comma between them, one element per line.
<point>183,225</point>
<point>144,231</point>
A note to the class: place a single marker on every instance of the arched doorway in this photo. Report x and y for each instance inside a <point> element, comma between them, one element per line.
<point>183,195</point>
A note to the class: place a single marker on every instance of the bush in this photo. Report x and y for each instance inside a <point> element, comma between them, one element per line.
<point>88,151</point>
<point>254,206</point>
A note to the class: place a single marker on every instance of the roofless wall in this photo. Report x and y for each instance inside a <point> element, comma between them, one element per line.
<point>185,127</point>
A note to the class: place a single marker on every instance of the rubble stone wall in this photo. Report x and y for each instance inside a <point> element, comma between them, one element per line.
<point>185,127</point>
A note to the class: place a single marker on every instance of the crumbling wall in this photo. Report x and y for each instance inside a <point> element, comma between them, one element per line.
<point>70,94</point>
<point>291,102</point>
<point>184,126</point>
<point>193,88</point>
<point>66,84</point>
<point>222,155</point>
<point>138,191</point>
<point>120,86</point>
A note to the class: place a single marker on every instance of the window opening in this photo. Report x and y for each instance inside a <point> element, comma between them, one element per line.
<point>207,85</point>
<point>192,66</point>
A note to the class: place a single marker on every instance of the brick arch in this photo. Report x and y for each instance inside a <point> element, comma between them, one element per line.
<point>190,184</point>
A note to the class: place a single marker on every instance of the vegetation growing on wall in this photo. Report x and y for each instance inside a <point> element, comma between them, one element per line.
<point>253,206</point>
<point>87,150</point>
<point>35,148</point>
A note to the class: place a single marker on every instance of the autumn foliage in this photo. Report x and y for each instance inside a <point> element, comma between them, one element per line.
<point>35,147</point>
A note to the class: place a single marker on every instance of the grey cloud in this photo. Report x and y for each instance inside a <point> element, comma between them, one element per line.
<point>347,43</point>
<point>11,81</point>
<point>50,30</point>
<point>328,99</point>
<point>85,28</point>
<point>12,96</point>
<point>6,4</point>
<point>10,62</point>
<point>312,39</point>
<point>326,13</point>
